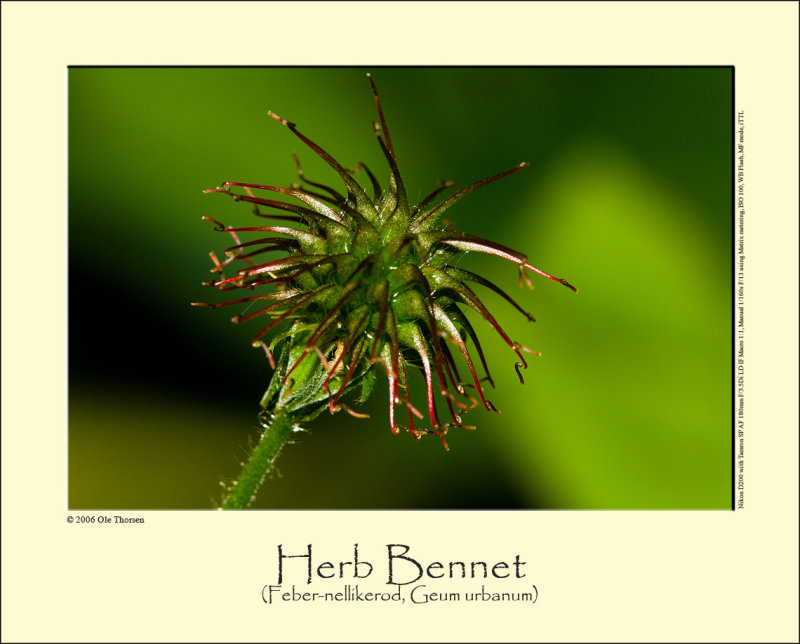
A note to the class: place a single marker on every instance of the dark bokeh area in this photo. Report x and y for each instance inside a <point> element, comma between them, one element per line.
<point>628,196</point>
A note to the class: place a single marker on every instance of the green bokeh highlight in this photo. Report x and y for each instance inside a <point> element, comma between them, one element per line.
<point>628,196</point>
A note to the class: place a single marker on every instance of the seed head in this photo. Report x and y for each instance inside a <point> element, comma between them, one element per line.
<point>364,283</point>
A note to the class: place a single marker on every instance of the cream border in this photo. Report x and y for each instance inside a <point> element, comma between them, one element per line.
<point>194,576</point>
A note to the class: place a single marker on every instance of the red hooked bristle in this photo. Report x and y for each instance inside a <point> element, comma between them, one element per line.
<point>550,277</point>
<point>427,217</point>
<point>268,352</point>
<point>334,194</point>
<point>352,186</point>
<point>383,120</point>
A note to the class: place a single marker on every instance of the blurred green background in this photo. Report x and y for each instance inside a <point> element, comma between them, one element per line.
<point>628,196</point>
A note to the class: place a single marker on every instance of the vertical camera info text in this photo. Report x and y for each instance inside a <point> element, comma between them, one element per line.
<point>739,306</point>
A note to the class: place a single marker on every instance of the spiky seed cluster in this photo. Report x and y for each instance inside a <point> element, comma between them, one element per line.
<point>365,280</point>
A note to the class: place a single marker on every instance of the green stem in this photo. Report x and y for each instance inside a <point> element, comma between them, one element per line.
<point>242,493</point>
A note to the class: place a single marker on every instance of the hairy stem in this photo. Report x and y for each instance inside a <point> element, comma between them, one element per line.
<point>243,492</point>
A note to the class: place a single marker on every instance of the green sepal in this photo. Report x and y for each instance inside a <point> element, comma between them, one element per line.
<point>367,385</point>
<point>302,393</point>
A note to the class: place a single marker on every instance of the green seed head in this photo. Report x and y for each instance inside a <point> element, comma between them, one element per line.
<point>364,282</point>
